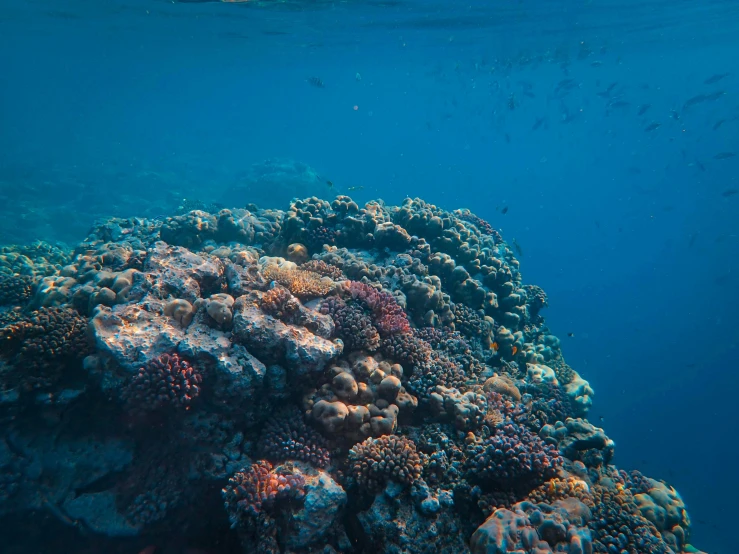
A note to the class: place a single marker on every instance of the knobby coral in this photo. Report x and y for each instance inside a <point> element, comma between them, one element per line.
<point>287,437</point>
<point>375,461</point>
<point>388,316</point>
<point>258,488</point>
<point>167,380</point>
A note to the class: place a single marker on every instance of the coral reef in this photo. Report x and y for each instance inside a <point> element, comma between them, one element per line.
<point>327,378</point>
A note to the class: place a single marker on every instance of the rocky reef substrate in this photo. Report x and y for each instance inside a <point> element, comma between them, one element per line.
<point>328,378</point>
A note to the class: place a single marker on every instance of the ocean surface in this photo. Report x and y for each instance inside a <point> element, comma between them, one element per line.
<point>603,136</point>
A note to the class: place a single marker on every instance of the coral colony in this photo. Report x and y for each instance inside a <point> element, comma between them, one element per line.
<point>337,378</point>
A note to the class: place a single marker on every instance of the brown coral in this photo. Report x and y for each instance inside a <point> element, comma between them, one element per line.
<point>322,268</point>
<point>559,489</point>
<point>297,253</point>
<point>279,303</point>
<point>502,384</point>
<point>303,284</point>
<point>249,491</point>
<point>375,461</point>
<point>15,290</point>
<point>41,342</point>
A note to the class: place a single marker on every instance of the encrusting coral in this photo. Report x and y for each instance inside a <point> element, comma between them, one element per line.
<point>363,377</point>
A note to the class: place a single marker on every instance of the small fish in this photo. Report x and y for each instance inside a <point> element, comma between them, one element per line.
<point>691,242</point>
<point>357,76</point>
<point>700,98</point>
<point>330,184</point>
<point>601,418</point>
<point>729,192</point>
<point>674,115</point>
<point>713,79</point>
<point>504,210</point>
<point>724,155</point>
<point>596,63</point>
<point>652,126</point>
<point>538,123</point>
<point>517,247</point>
<point>351,189</point>
<point>316,82</point>
<point>570,334</point>
<point>718,124</point>
<point>643,109</point>
<point>619,104</point>
<point>566,84</point>
<point>694,100</point>
<point>512,102</point>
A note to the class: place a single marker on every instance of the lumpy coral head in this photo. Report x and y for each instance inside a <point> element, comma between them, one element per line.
<point>167,380</point>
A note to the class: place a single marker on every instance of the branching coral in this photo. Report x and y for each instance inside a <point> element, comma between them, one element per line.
<point>39,344</point>
<point>618,526</point>
<point>287,437</point>
<point>279,303</point>
<point>15,290</point>
<point>406,349</point>
<point>322,268</point>
<point>167,380</point>
<point>250,491</point>
<point>511,456</point>
<point>375,461</point>
<point>388,316</point>
<point>353,325</point>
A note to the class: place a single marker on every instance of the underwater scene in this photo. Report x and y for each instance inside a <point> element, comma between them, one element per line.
<point>369,276</point>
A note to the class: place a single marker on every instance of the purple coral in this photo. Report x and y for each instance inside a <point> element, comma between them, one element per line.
<point>167,380</point>
<point>407,349</point>
<point>388,316</point>
<point>250,491</point>
<point>316,238</point>
<point>510,456</point>
<point>287,437</point>
<point>353,326</point>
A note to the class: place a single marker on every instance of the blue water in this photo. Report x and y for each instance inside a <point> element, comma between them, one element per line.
<point>127,106</point>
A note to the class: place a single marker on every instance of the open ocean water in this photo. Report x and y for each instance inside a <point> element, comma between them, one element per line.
<point>601,138</point>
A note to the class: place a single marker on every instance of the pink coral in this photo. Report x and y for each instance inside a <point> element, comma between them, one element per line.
<point>165,380</point>
<point>249,491</point>
<point>388,316</point>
